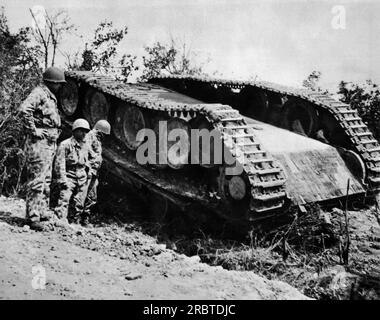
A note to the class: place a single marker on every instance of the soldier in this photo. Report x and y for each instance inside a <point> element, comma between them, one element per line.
<point>72,167</point>
<point>42,123</point>
<point>94,140</point>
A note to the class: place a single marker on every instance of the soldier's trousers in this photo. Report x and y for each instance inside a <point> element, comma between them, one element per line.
<point>92,195</point>
<point>72,195</point>
<point>39,160</point>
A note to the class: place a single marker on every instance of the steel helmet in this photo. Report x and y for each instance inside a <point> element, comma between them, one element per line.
<point>53,74</point>
<point>103,126</point>
<point>81,123</point>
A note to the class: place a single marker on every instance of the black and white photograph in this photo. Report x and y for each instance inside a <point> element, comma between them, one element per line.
<point>204,151</point>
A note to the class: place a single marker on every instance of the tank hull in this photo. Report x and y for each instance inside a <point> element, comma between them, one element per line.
<point>277,168</point>
<point>314,171</point>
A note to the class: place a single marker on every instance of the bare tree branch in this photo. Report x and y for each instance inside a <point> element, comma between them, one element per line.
<point>41,39</point>
<point>58,25</point>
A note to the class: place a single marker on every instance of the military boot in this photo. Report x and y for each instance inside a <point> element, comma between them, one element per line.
<point>41,226</point>
<point>47,215</point>
<point>62,223</point>
<point>86,221</point>
<point>75,220</point>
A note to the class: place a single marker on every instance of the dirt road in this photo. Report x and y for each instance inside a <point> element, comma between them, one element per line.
<point>112,262</point>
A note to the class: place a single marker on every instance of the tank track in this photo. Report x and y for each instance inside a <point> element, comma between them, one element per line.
<point>265,176</point>
<point>360,136</point>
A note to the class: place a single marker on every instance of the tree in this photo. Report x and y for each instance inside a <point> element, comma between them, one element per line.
<point>72,60</point>
<point>49,30</point>
<point>312,81</point>
<point>101,54</point>
<point>19,73</point>
<point>171,58</point>
<point>365,98</point>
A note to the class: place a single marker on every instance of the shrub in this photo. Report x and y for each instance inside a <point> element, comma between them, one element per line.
<point>19,73</point>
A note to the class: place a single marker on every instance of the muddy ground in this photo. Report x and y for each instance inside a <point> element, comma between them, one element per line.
<point>112,260</point>
<point>127,256</point>
<point>327,255</point>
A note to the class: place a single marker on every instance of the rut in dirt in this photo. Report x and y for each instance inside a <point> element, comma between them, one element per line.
<point>305,252</point>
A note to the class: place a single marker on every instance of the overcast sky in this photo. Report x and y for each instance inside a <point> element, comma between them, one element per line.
<point>279,41</point>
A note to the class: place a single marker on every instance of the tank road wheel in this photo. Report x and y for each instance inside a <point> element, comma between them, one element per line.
<point>235,191</point>
<point>253,103</point>
<point>176,152</point>
<point>129,120</point>
<point>96,106</point>
<point>161,141</point>
<point>69,97</point>
<point>237,188</point>
<point>300,117</point>
<point>354,163</point>
<point>205,148</point>
<point>329,131</point>
<point>232,187</point>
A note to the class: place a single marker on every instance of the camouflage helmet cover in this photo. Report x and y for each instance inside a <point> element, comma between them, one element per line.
<point>53,74</point>
<point>103,126</point>
<point>81,124</point>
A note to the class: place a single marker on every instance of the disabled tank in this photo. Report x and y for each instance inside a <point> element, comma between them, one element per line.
<point>243,150</point>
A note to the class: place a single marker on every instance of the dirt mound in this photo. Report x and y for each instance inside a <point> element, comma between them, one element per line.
<point>112,261</point>
<point>309,254</point>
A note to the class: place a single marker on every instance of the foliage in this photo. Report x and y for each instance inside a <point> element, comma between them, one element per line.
<point>171,58</point>
<point>19,73</point>
<point>103,46</point>
<point>73,61</point>
<point>49,30</point>
<point>101,54</point>
<point>311,82</point>
<point>365,99</point>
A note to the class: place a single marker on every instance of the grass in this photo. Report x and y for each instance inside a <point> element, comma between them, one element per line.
<point>306,252</point>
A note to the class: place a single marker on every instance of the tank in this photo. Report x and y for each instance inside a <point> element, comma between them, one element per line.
<point>245,151</point>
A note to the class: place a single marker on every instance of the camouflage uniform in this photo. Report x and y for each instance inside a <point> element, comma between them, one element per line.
<point>72,166</point>
<point>95,157</point>
<point>39,111</point>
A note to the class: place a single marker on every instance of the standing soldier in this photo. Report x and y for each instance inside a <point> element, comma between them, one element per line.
<point>42,121</point>
<point>94,140</point>
<point>72,167</point>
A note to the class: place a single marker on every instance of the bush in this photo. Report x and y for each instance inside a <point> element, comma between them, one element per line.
<point>365,99</point>
<point>19,74</point>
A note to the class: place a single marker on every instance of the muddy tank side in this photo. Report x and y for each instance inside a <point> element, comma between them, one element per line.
<point>258,190</point>
<point>312,114</point>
